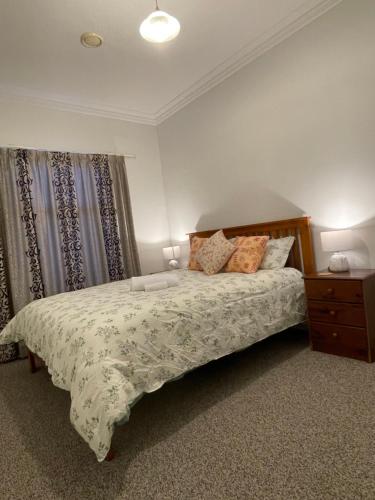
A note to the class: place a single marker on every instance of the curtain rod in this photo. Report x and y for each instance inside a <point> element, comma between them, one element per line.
<point>125,155</point>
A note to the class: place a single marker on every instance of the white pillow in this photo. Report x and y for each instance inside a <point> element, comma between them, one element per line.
<point>277,252</point>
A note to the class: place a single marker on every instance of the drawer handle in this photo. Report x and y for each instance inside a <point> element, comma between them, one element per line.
<point>329,291</point>
<point>332,313</point>
<point>334,334</point>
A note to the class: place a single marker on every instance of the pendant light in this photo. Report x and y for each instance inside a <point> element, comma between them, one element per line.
<point>159,27</point>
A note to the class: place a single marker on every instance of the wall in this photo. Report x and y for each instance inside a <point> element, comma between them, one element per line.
<point>39,127</point>
<point>292,133</point>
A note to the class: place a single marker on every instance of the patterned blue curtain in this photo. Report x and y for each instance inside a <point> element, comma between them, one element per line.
<point>28,217</point>
<point>7,352</point>
<point>68,219</point>
<point>64,226</point>
<point>108,217</point>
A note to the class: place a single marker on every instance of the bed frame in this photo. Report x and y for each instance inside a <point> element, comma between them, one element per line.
<point>301,255</point>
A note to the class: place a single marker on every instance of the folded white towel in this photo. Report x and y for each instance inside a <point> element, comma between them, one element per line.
<point>138,283</point>
<point>156,285</point>
<point>171,279</point>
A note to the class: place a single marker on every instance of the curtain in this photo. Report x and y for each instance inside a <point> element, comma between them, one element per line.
<point>66,224</point>
<point>8,352</point>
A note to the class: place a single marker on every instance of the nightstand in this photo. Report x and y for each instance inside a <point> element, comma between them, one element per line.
<point>341,310</point>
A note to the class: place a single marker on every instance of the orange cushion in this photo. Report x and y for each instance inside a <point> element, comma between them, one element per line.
<point>249,254</point>
<point>195,245</point>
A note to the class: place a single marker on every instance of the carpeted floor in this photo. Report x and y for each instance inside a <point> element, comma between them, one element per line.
<point>274,422</point>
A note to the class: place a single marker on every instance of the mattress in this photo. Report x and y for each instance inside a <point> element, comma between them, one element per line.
<point>108,346</point>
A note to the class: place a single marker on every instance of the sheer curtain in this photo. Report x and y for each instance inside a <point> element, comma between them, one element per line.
<point>66,224</point>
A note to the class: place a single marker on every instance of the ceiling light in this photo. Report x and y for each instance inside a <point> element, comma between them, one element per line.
<point>159,27</point>
<point>91,40</point>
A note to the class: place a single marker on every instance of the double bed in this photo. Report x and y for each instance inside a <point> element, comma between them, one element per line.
<point>108,346</point>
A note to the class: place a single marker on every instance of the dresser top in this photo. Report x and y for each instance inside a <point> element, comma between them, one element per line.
<point>353,274</point>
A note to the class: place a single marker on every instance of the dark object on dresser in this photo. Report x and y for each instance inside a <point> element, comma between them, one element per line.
<point>341,309</point>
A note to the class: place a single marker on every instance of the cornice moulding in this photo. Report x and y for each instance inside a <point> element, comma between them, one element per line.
<point>63,104</point>
<point>280,32</point>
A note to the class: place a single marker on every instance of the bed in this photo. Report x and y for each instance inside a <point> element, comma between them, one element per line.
<point>108,346</point>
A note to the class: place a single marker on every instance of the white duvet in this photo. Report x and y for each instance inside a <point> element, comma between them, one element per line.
<point>108,346</point>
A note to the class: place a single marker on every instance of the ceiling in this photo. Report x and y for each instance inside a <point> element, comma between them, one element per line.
<point>42,61</point>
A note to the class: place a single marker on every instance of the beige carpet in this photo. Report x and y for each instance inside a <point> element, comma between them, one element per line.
<point>275,421</point>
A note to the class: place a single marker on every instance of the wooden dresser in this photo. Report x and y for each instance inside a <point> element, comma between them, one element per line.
<point>341,310</point>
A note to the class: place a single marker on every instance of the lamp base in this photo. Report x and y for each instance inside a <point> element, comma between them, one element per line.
<point>173,264</point>
<point>338,263</point>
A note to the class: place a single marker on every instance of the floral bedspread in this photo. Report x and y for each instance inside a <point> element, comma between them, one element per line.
<point>108,346</point>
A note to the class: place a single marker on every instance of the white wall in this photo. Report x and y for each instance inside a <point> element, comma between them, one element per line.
<point>39,127</point>
<point>292,133</point>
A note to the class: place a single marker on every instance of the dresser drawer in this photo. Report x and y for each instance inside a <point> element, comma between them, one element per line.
<point>337,312</point>
<point>341,340</point>
<point>340,290</point>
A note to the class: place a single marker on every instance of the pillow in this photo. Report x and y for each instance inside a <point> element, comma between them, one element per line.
<point>276,254</point>
<point>195,245</point>
<point>248,255</point>
<point>214,253</point>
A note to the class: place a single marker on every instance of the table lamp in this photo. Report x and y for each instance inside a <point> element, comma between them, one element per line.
<point>172,254</point>
<point>337,242</point>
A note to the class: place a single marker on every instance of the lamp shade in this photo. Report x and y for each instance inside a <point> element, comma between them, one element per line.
<point>337,241</point>
<point>171,253</point>
<point>159,27</point>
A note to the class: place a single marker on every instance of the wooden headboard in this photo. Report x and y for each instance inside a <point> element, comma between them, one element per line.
<point>301,255</point>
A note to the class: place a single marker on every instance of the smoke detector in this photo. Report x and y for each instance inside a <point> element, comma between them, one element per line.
<point>91,40</point>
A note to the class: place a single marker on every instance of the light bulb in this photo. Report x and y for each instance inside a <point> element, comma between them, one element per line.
<point>159,27</point>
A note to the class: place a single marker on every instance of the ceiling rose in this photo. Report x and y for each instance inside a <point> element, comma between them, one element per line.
<point>159,27</point>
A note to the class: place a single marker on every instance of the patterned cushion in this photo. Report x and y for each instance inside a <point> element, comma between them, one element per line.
<point>248,255</point>
<point>195,245</point>
<point>277,251</point>
<point>215,252</point>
